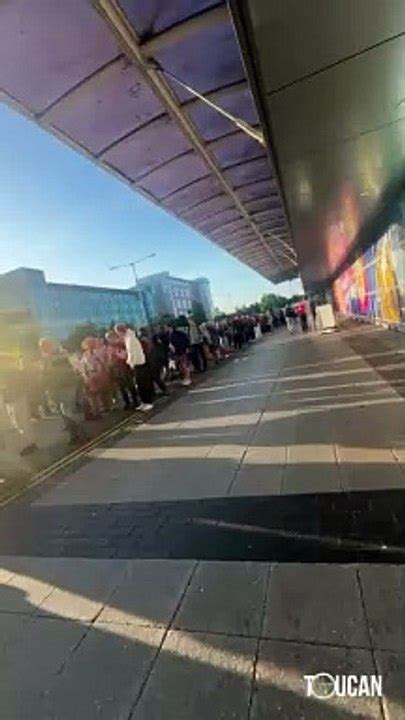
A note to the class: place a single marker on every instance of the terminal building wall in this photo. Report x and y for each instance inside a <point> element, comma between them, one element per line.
<point>373,287</point>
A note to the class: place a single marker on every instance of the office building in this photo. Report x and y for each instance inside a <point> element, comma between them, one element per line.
<point>176,296</point>
<point>57,308</point>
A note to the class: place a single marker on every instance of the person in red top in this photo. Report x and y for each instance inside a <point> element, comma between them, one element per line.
<point>301,311</point>
<point>94,376</point>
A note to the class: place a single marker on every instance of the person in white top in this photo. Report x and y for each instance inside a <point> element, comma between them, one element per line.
<point>137,362</point>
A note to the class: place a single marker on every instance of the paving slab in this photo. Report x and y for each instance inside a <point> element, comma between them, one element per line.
<point>199,676</point>
<point>225,598</point>
<point>102,678</point>
<point>384,600</point>
<point>311,453</point>
<point>5,575</point>
<point>31,663</point>
<point>281,689</point>
<point>315,603</point>
<point>399,454</point>
<point>23,594</point>
<point>178,478</point>
<point>12,625</point>
<point>366,468</point>
<point>311,478</point>
<point>82,587</point>
<point>392,668</point>
<point>149,593</point>
<point>260,472</point>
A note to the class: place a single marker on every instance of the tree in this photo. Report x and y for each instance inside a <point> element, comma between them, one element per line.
<point>275,302</point>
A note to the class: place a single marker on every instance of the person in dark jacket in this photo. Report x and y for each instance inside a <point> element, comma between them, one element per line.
<point>60,383</point>
<point>197,353</point>
<point>155,357</point>
<point>180,343</point>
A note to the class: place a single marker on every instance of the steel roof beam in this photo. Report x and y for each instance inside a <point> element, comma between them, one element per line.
<point>181,30</point>
<point>128,39</point>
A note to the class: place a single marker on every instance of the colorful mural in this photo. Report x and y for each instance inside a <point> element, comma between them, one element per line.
<point>374,286</point>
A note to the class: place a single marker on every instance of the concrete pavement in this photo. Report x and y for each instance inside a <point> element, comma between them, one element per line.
<point>247,535</point>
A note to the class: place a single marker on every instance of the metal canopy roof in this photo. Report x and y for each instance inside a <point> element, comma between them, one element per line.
<point>82,69</point>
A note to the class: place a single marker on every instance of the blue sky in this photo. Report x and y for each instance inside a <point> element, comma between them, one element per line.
<point>61,213</point>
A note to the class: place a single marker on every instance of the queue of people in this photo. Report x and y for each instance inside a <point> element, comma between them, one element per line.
<point>127,368</point>
<point>301,316</point>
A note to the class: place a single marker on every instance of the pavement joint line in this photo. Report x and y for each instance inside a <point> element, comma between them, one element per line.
<point>313,643</point>
<point>398,461</point>
<point>128,623</point>
<point>88,625</point>
<point>193,631</point>
<point>258,644</point>
<point>251,435</point>
<point>370,639</point>
<point>131,714</point>
<point>273,392</point>
<point>237,470</point>
<point>339,468</point>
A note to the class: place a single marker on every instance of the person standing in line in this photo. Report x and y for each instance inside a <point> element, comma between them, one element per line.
<point>154,355</point>
<point>137,362</point>
<point>94,380</point>
<point>215,348</point>
<point>290,318</point>
<point>163,337</point>
<point>14,402</point>
<point>301,311</point>
<point>313,306</point>
<point>197,354</point>
<point>180,344</point>
<point>121,373</point>
<point>229,336</point>
<point>61,386</point>
<point>238,332</point>
<point>308,313</point>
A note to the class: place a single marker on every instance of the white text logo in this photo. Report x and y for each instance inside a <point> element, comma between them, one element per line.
<point>324,685</point>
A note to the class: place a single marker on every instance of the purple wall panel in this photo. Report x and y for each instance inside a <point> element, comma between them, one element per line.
<point>249,171</point>
<point>257,189</point>
<point>245,236</point>
<point>150,17</point>
<point>229,228</point>
<point>107,107</point>
<point>148,148</point>
<point>239,244</point>
<point>265,215</point>
<point>175,175</point>
<point>205,60</point>
<point>191,195</point>
<point>237,100</point>
<point>235,148</point>
<point>47,47</point>
<point>206,209</point>
<point>241,231</point>
<point>219,219</point>
<point>257,205</point>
